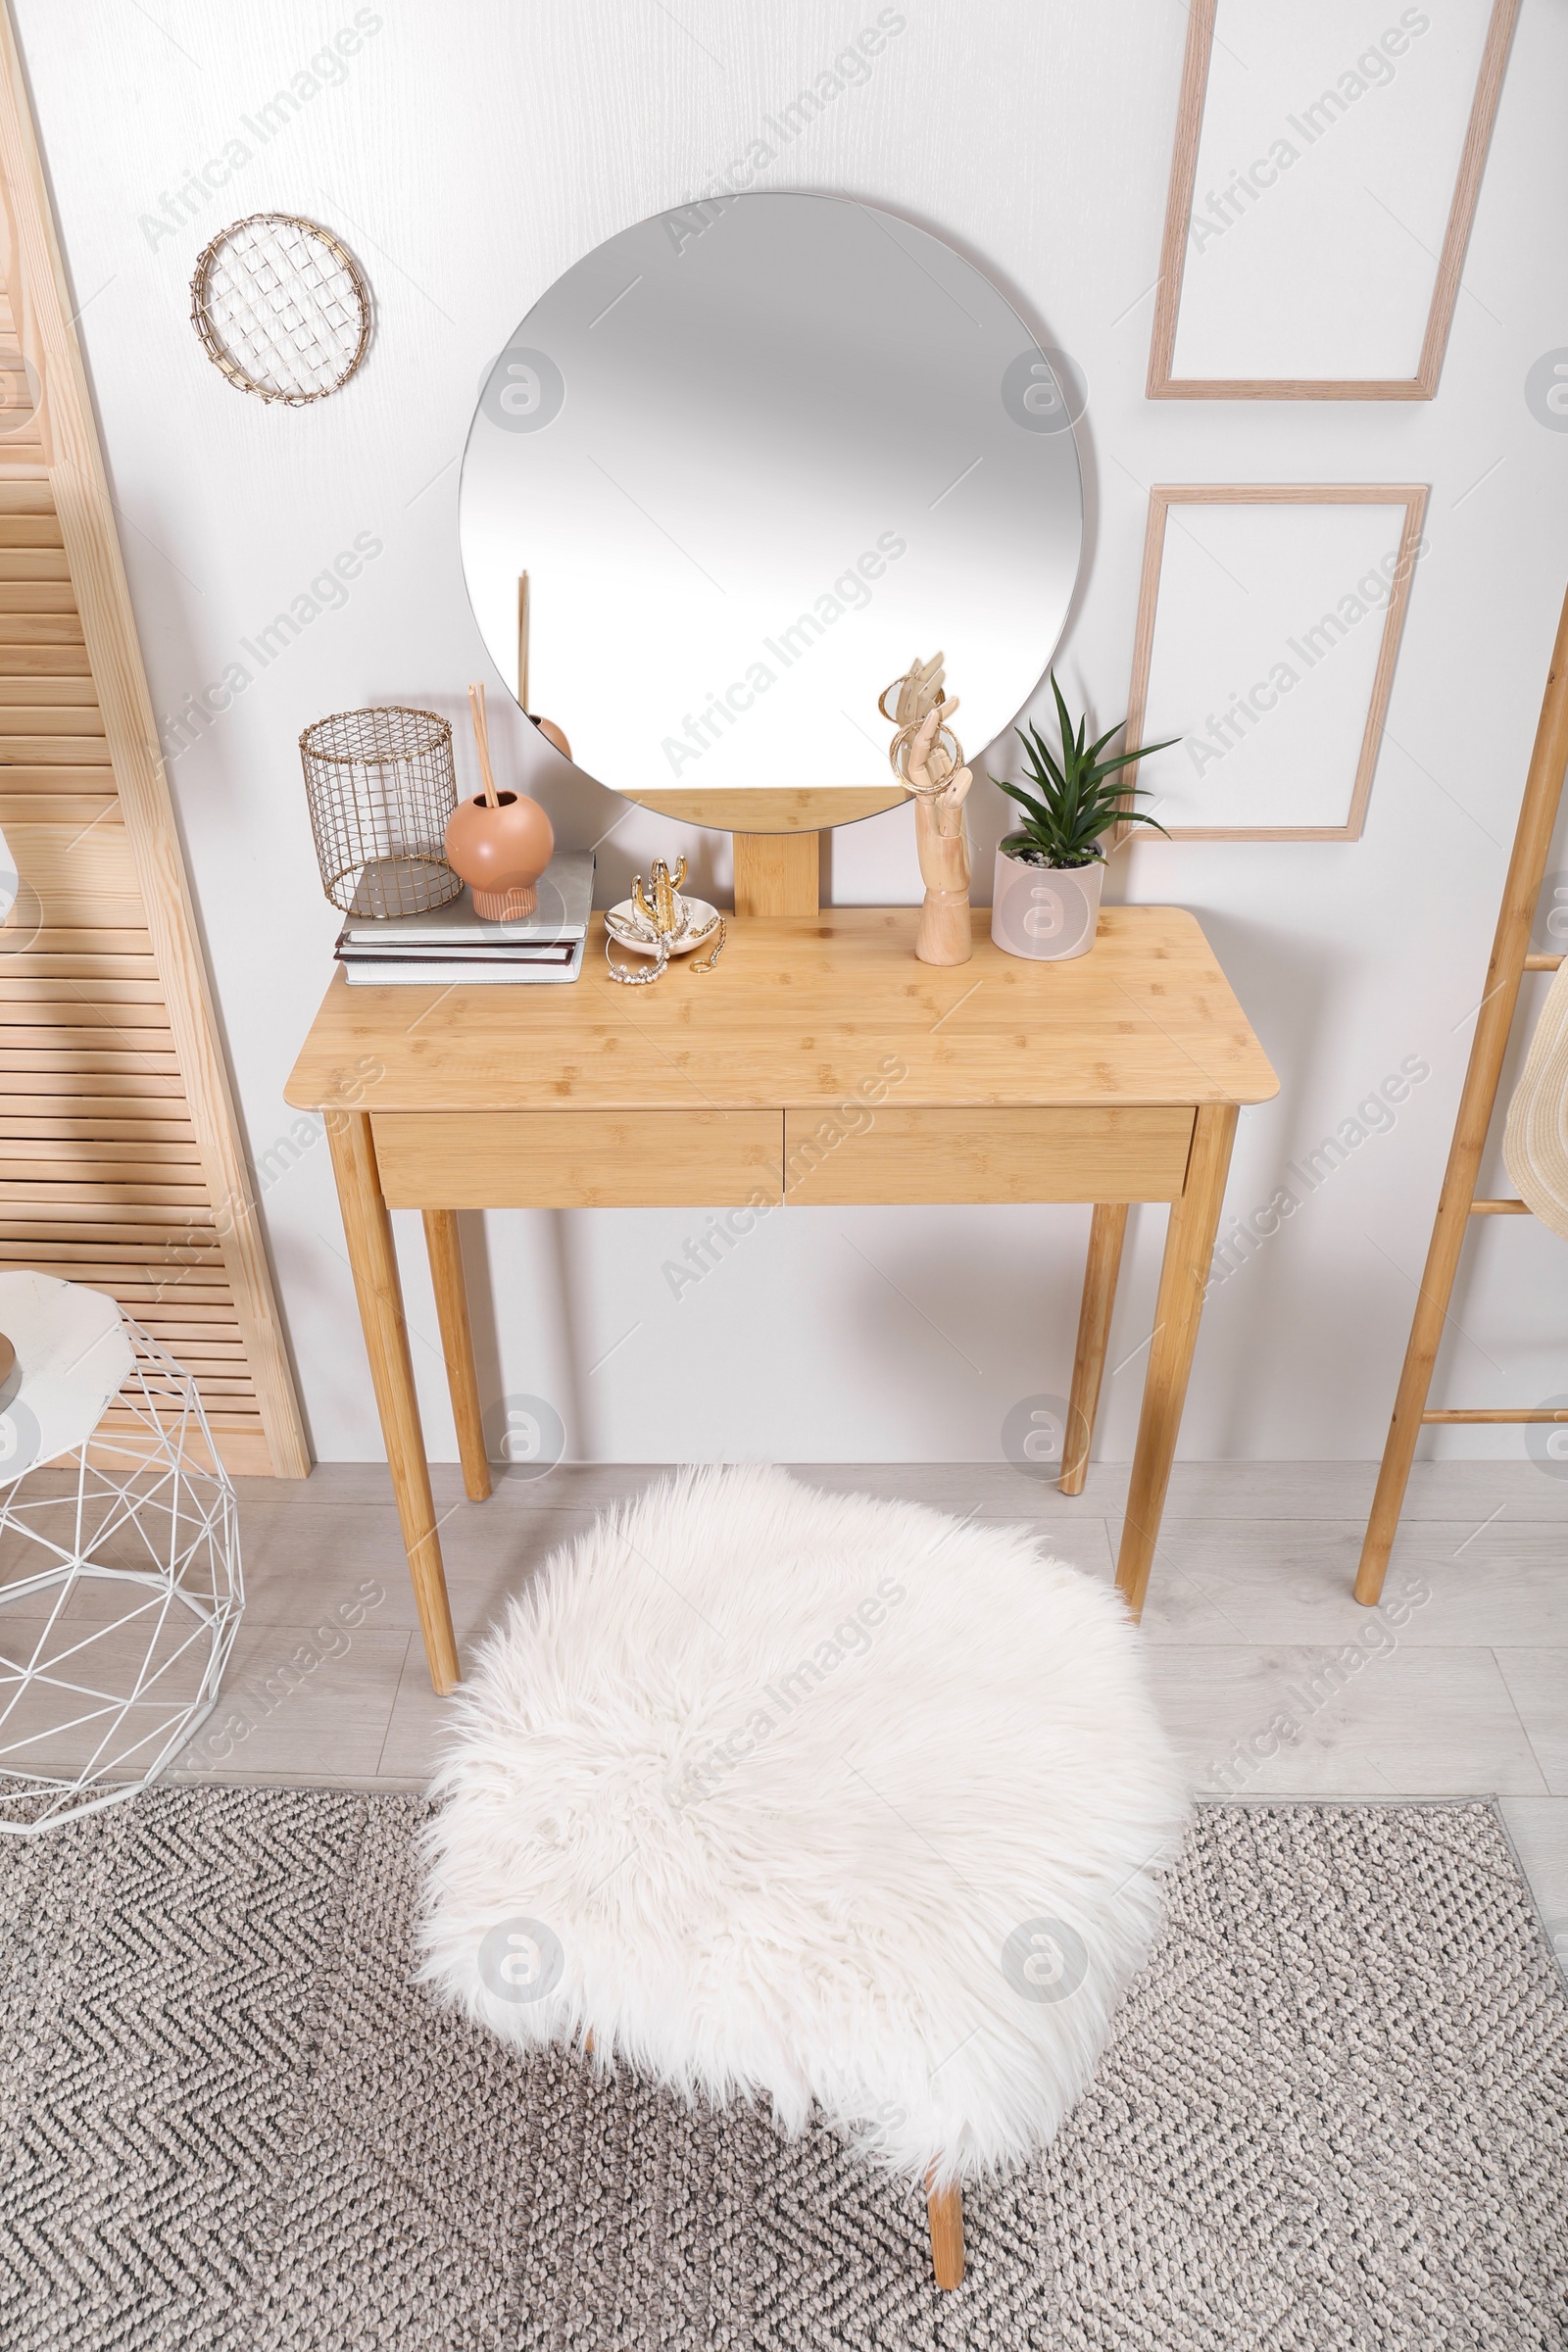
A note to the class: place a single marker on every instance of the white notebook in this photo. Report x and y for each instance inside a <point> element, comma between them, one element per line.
<point>473,971</point>
<point>565,895</point>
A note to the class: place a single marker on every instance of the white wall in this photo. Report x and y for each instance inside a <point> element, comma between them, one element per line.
<point>469,153</point>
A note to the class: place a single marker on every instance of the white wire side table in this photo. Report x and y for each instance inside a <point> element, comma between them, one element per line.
<point>120,1589</point>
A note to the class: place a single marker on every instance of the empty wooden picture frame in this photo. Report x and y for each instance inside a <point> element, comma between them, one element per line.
<point>1258,646</point>
<point>1323,180</point>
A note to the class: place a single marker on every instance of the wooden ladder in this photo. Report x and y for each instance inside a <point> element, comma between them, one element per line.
<point>1457,1203</point>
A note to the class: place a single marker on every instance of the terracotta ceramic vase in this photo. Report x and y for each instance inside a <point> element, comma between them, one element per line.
<point>501,854</point>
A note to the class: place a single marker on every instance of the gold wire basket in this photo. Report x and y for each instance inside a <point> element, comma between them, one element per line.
<point>382,786</point>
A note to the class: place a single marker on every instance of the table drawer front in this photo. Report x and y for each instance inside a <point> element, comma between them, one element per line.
<point>578,1158</point>
<point>986,1155</point>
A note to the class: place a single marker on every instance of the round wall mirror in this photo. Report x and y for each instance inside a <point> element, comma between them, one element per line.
<point>734,470</point>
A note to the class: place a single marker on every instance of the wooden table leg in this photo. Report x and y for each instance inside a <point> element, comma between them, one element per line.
<point>444,1245</point>
<point>1182,1277</point>
<point>944,2213</point>
<point>369,1230</point>
<point>1107,1234</point>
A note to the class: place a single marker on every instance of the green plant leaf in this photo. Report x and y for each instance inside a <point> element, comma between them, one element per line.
<point>1041,765</point>
<point>1062,716</point>
<point>1146,752</point>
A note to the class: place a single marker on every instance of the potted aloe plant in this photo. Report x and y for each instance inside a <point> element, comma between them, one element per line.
<point>1044,902</point>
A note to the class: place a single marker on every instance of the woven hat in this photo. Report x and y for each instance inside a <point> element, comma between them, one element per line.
<point>1535,1143</point>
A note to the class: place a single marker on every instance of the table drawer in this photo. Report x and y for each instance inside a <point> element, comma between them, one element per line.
<point>578,1158</point>
<point>985,1154</point>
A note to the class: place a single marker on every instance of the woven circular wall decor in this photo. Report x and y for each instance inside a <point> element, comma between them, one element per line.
<point>281,306</point>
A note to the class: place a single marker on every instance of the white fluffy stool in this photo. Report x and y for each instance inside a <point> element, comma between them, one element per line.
<point>839,1803</point>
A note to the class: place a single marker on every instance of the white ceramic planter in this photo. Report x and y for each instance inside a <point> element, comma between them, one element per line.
<point>1046,912</point>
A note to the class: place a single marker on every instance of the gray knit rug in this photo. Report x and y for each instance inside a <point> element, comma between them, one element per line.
<point>1335,2113</point>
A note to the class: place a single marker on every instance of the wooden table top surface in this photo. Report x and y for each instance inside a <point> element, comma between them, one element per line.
<point>806,1009</point>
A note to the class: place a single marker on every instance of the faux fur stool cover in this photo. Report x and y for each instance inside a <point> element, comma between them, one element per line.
<point>811,1797</point>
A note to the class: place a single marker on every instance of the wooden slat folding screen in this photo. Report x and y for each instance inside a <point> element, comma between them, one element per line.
<point>120,1156</point>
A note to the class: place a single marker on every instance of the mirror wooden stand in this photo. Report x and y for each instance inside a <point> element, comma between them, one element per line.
<point>779,873</point>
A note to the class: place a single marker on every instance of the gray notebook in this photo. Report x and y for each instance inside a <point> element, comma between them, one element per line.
<point>565,895</point>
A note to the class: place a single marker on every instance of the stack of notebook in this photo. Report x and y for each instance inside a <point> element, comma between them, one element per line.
<point>452,943</point>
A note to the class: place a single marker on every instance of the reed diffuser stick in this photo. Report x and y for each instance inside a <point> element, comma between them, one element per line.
<point>481,736</point>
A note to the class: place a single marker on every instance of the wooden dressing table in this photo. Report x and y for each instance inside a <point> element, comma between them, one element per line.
<point>1112,1078</point>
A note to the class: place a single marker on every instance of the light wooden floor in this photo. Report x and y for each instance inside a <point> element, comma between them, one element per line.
<point>1250,1618</point>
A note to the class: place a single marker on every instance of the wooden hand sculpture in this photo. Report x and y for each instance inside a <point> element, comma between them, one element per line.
<point>940,790</point>
<point>934,771</point>
<point>920,690</point>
